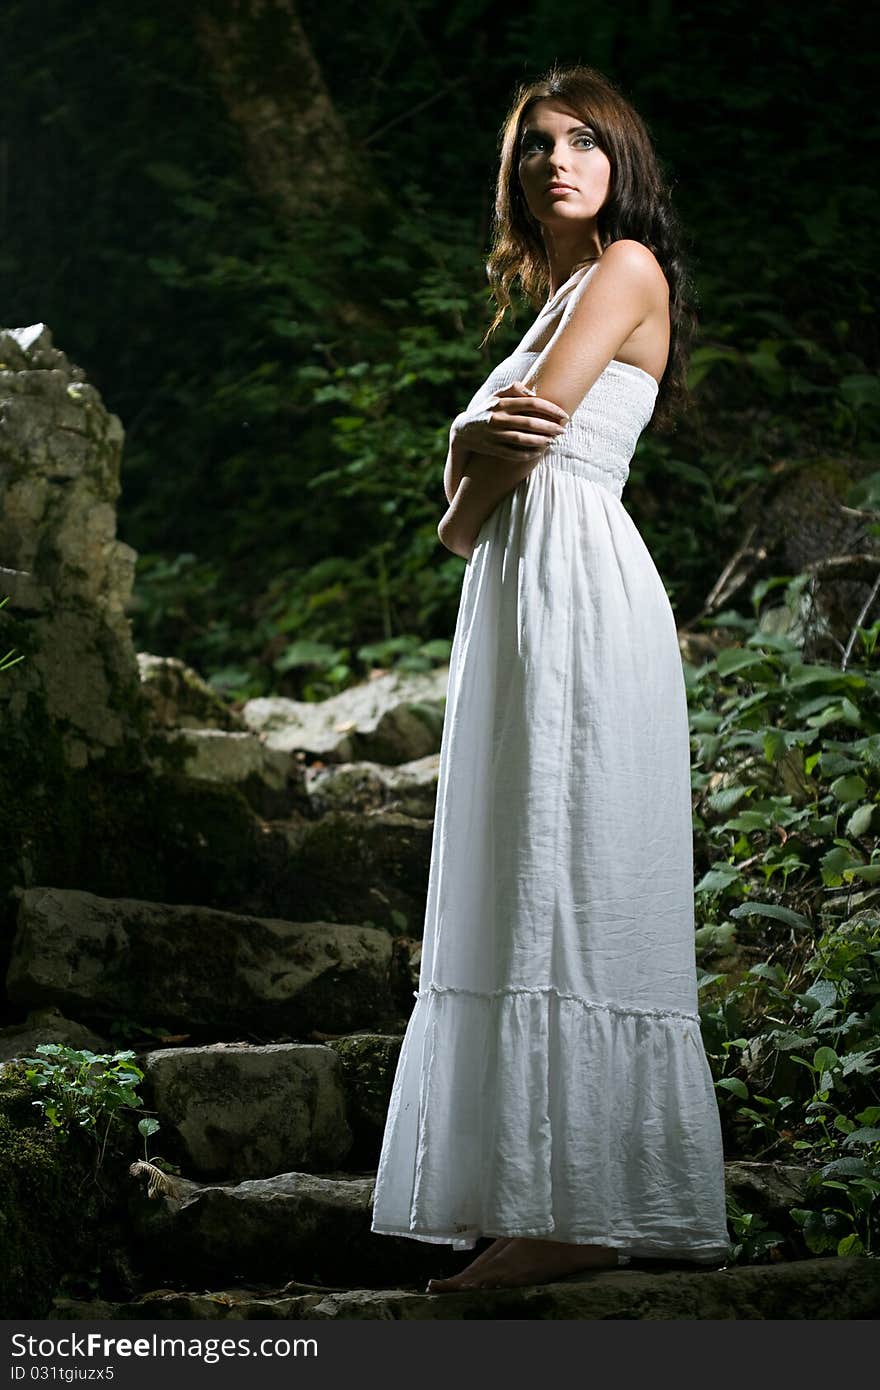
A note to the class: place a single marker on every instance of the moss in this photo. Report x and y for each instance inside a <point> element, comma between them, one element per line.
<point>386,869</point>
<point>369,1061</point>
<point>47,1230</point>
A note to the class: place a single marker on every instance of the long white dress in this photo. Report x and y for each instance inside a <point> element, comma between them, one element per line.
<point>552,1080</point>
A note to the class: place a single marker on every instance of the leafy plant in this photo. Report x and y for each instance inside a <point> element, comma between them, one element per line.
<point>787,780</point>
<point>752,1237</point>
<point>88,1091</point>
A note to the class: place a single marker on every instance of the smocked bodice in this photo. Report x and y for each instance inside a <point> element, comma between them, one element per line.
<point>601,436</point>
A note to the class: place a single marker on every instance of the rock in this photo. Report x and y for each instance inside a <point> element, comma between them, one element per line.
<point>801,520</point>
<point>47,1026</point>
<point>368,1062</point>
<point>70,579</point>
<point>768,1189</point>
<point>805,1290</point>
<point>393,719</point>
<point>179,698</point>
<point>195,968</point>
<point>410,788</point>
<point>250,1112</point>
<point>385,857</point>
<point>291,1226</point>
<point>268,779</point>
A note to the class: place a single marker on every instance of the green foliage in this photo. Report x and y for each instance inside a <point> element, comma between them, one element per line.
<point>752,1238</point>
<point>286,390</point>
<point>286,393</point>
<point>786,766</point>
<point>86,1090</point>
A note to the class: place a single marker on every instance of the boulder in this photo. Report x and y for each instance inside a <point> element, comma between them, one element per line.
<point>238,1111</point>
<point>179,698</point>
<point>410,788</point>
<point>47,1025</point>
<point>193,968</point>
<point>68,578</point>
<point>394,718</point>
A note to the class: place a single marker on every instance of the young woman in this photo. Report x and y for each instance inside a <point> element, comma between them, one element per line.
<point>552,1089</point>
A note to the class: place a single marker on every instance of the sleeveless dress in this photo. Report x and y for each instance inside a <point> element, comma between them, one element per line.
<point>552,1080</point>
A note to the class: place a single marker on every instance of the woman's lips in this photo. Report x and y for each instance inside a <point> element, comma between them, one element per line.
<point>556,189</point>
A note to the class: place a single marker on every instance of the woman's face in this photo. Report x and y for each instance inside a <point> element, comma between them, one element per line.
<point>557,148</point>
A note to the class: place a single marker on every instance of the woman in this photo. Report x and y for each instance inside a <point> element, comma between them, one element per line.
<point>552,1089</point>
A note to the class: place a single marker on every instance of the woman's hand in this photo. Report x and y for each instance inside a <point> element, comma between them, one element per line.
<point>511,424</point>
<point>481,485</point>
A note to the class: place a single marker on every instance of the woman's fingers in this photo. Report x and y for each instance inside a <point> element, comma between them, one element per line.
<point>511,424</point>
<point>526,401</point>
<point>525,425</point>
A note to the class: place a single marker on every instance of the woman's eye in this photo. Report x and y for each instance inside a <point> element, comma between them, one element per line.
<point>535,142</point>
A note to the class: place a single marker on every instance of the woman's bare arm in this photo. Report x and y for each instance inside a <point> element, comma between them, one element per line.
<point>456,458</point>
<point>485,481</point>
<point>617,297</point>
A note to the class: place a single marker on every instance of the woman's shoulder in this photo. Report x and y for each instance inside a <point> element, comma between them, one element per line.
<point>633,258</point>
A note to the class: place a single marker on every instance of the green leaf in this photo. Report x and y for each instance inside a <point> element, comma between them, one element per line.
<point>858,1062</point>
<point>844,1167</point>
<point>716,936</point>
<point>869,872</point>
<point>824,1058</point>
<point>725,800</point>
<point>732,1083</point>
<point>860,819</point>
<point>860,389</point>
<point>764,971</point>
<point>731,659</point>
<point>851,788</point>
<point>751,820</point>
<point>719,877</point>
<point>863,1136</point>
<point>774,910</point>
<point>824,992</point>
<point>851,1245</point>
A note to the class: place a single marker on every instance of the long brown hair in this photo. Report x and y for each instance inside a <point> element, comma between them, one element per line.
<point>638,206</point>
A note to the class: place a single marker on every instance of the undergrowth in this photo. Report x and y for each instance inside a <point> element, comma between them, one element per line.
<point>786,771</point>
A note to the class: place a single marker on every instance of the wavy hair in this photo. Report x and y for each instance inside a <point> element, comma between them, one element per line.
<point>638,206</point>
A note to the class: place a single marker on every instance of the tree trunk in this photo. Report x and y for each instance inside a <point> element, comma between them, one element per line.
<point>298,150</point>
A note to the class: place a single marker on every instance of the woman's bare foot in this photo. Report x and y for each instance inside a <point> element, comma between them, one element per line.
<point>454,1280</point>
<point>527,1260</point>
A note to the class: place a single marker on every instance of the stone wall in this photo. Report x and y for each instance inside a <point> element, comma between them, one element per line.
<point>67,576</point>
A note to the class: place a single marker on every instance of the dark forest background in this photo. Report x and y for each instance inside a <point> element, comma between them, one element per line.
<point>261,226</point>
<point>261,229</point>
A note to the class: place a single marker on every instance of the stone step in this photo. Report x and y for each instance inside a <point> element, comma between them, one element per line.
<point>209,973</point>
<point>231,1111</point>
<point>316,1228</point>
<point>353,866</point>
<point>269,780</point>
<point>410,788</point>
<point>295,1225</point>
<point>392,718</point>
<point>823,1288</point>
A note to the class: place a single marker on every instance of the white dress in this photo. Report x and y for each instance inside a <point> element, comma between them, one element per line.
<point>552,1080</point>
